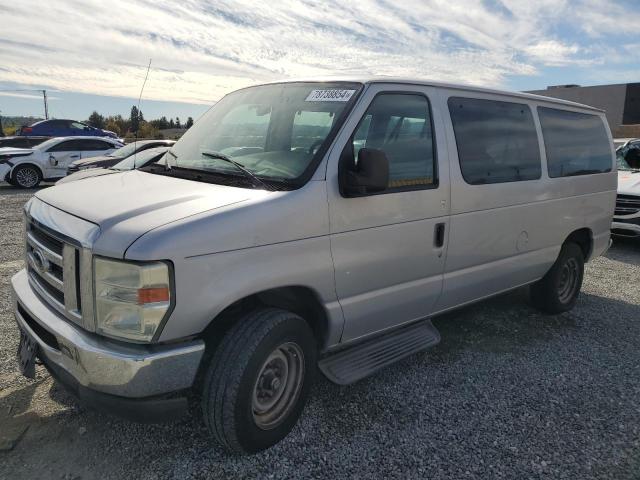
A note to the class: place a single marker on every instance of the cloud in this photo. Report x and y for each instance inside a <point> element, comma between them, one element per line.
<point>201,50</point>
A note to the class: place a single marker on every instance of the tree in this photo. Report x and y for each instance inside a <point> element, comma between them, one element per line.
<point>178,122</point>
<point>140,116</point>
<point>189,123</point>
<point>96,120</point>
<point>171,124</point>
<point>134,119</point>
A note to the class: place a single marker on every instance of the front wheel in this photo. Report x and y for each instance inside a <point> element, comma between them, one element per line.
<point>26,176</point>
<point>258,380</point>
<point>558,290</point>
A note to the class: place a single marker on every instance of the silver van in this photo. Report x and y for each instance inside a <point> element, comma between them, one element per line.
<point>301,225</point>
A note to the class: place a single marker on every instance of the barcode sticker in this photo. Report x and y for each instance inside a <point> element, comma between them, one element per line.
<point>332,95</point>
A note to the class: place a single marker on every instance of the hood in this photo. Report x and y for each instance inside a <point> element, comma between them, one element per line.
<point>94,160</point>
<point>88,173</point>
<point>18,152</point>
<point>128,204</point>
<point>628,182</point>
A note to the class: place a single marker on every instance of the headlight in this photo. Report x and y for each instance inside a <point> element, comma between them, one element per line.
<point>132,299</point>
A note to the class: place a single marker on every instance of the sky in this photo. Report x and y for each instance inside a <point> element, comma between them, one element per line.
<point>93,54</point>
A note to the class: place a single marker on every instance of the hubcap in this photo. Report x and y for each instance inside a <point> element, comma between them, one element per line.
<point>278,385</point>
<point>569,275</point>
<point>27,177</point>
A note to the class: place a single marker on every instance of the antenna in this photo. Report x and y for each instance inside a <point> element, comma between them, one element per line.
<point>135,141</point>
<point>46,107</point>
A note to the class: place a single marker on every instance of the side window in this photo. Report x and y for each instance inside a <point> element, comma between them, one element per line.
<point>400,125</point>
<point>576,143</point>
<point>78,125</point>
<point>68,146</point>
<point>93,145</point>
<point>310,129</point>
<point>497,141</point>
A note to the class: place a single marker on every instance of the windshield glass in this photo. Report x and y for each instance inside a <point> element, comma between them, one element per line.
<point>125,151</point>
<point>274,131</point>
<point>627,154</point>
<point>140,159</point>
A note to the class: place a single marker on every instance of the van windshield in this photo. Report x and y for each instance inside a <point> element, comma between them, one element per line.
<point>276,132</point>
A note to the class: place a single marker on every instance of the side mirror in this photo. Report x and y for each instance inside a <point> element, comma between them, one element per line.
<point>52,160</point>
<point>369,175</point>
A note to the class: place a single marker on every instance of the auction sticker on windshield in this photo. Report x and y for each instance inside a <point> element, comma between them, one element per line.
<point>332,95</point>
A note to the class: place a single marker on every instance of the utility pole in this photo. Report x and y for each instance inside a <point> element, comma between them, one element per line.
<point>46,107</point>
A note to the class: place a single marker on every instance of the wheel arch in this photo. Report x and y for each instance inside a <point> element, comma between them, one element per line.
<point>26,162</point>
<point>583,237</point>
<point>301,300</point>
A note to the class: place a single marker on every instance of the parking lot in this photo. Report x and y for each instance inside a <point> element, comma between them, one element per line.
<point>508,393</point>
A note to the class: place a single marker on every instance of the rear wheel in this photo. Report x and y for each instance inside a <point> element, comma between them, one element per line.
<point>26,176</point>
<point>258,380</point>
<point>558,290</point>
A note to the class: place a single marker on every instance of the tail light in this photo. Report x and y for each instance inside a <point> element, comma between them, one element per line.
<point>26,130</point>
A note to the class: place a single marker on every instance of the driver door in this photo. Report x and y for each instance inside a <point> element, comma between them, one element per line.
<point>389,248</point>
<point>61,155</point>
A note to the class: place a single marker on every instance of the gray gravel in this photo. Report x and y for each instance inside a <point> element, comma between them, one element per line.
<point>509,393</point>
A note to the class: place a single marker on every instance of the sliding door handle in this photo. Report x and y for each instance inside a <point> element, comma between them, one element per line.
<point>438,235</point>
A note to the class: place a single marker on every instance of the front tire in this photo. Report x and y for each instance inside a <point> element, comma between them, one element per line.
<point>558,290</point>
<point>26,176</point>
<point>258,380</point>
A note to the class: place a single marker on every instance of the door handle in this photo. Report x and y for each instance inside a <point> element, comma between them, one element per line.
<point>74,156</point>
<point>438,235</point>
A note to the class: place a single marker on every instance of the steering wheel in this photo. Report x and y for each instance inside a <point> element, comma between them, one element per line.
<point>314,145</point>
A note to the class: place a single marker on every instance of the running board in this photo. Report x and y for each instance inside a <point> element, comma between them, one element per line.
<point>357,362</point>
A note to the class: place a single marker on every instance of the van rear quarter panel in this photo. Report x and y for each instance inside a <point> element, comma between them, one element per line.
<point>504,235</point>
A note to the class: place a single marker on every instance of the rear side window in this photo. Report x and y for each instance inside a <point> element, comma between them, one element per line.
<point>67,146</point>
<point>400,125</point>
<point>497,141</point>
<point>576,143</point>
<point>94,145</point>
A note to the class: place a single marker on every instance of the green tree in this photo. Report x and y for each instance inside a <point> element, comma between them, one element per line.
<point>96,120</point>
<point>189,123</point>
<point>171,124</point>
<point>178,125</point>
<point>134,119</point>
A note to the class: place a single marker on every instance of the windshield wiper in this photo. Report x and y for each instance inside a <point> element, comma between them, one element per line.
<point>254,179</point>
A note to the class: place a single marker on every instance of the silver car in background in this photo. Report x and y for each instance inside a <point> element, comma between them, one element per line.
<point>306,224</point>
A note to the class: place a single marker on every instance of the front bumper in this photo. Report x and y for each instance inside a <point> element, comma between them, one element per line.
<point>99,367</point>
<point>4,171</point>
<point>626,225</point>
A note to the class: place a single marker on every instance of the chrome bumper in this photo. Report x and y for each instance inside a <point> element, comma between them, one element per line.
<point>100,364</point>
<point>631,228</point>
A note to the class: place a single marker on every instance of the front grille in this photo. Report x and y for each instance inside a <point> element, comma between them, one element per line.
<point>52,265</point>
<point>627,205</point>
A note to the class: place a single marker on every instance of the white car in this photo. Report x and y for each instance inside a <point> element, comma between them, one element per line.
<point>626,220</point>
<point>27,167</point>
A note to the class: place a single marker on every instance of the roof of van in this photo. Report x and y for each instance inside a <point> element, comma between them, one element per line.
<point>430,83</point>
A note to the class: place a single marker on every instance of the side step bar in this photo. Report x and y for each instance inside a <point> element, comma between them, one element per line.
<point>355,363</point>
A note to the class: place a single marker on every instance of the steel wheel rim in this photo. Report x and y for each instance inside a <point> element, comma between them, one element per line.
<point>568,280</point>
<point>278,385</point>
<point>26,177</point>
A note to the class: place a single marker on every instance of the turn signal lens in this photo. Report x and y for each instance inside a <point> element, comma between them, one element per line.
<point>153,295</point>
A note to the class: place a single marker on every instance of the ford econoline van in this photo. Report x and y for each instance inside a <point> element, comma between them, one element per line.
<point>301,227</point>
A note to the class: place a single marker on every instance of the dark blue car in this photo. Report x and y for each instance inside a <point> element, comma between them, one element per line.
<point>64,128</point>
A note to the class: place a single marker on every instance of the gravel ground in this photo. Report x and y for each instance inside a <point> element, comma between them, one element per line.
<point>509,393</point>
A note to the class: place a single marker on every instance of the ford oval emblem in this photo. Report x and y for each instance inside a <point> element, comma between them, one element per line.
<point>41,262</point>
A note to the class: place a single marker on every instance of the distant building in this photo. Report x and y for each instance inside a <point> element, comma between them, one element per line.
<point>621,102</point>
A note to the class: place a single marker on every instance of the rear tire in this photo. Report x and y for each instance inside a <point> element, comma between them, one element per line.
<point>558,290</point>
<point>258,380</point>
<point>26,176</point>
